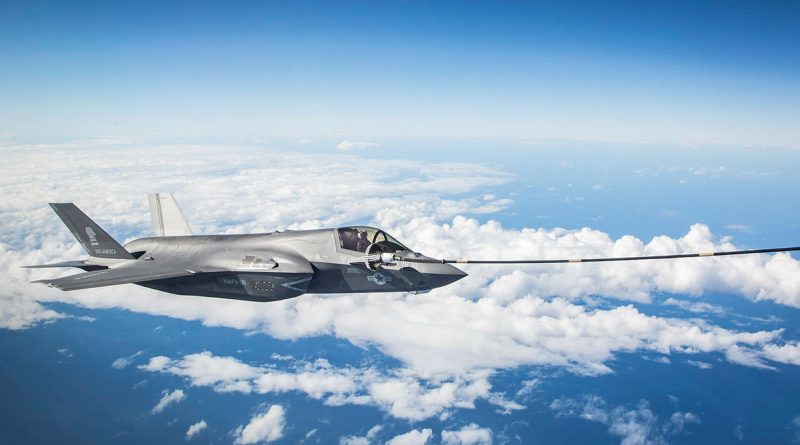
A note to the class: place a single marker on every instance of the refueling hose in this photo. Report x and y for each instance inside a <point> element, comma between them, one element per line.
<point>599,260</point>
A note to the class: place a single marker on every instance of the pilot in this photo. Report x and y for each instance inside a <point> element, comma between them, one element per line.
<point>363,242</point>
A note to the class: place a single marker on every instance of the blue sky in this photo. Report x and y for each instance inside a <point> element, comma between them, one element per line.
<point>703,72</point>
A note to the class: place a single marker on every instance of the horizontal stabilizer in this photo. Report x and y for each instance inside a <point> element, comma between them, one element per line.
<point>166,217</point>
<point>135,271</point>
<point>82,264</point>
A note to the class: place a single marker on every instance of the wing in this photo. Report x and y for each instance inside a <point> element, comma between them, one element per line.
<point>135,271</point>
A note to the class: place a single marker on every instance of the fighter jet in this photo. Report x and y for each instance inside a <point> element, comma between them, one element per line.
<point>256,267</point>
<point>268,266</point>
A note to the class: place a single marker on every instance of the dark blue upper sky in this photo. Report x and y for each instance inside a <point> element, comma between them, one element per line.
<point>672,71</point>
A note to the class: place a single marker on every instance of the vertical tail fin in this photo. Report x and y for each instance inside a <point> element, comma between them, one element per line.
<point>95,241</point>
<point>166,216</point>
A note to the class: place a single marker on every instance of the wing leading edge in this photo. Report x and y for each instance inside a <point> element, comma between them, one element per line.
<point>134,272</point>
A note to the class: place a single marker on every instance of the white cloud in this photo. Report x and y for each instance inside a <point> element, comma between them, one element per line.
<point>66,353</point>
<point>413,437</point>
<point>471,434</point>
<point>399,393</point>
<point>196,428</point>
<point>361,440</point>
<point>528,386</point>
<point>454,334</point>
<point>422,390</point>
<point>354,440</point>
<point>788,353</point>
<point>504,405</point>
<point>694,306</point>
<point>635,426</point>
<point>264,427</point>
<point>747,356</point>
<point>124,362</point>
<point>21,313</point>
<point>678,421</point>
<point>156,363</point>
<point>225,374</point>
<point>355,145</point>
<point>795,425</point>
<point>699,364</point>
<point>169,398</point>
<point>739,432</point>
<point>313,432</point>
<point>739,227</point>
<point>758,277</point>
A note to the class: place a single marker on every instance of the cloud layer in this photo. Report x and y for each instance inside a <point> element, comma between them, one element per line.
<point>417,391</point>
<point>635,426</point>
<point>355,145</point>
<point>449,342</point>
<point>399,392</point>
<point>497,317</point>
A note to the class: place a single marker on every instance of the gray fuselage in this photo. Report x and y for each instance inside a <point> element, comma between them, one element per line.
<point>280,265</point>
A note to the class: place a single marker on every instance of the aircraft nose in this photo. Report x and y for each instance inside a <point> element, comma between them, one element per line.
<point>438,275</point>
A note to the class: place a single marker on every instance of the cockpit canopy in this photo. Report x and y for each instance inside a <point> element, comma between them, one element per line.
<point>358,238</point>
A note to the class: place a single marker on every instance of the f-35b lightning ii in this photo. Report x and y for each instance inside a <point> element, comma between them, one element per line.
<point>268,266</point>
<point>256,267</point>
